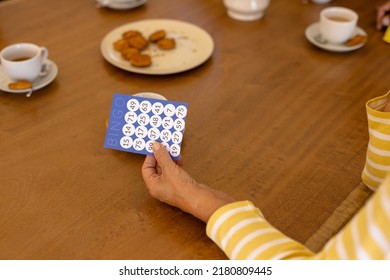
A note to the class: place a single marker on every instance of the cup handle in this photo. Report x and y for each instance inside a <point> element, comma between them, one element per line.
<point>45,65</point>
<point>44,53</point>
<point>45,69</point>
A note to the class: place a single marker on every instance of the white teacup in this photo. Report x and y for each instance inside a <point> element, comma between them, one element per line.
<point>23,61</point>
<point>337,24</point>
<point>246,10</point>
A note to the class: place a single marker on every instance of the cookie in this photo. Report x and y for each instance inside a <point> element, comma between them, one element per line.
<point>166,44</point>
<point>129,52</point>
<point>130,33</point>
<point>20,85</point>
<point>156,36</point>
<point>357,40</point>
<point>141,60</point>
<point>138,42</point>
<point>121,44</point>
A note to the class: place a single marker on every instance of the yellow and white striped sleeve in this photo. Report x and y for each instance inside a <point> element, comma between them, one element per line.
<point>241,231</point>
<point>378,151</point>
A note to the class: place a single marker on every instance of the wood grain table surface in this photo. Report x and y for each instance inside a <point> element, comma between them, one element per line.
<point>272,119</point>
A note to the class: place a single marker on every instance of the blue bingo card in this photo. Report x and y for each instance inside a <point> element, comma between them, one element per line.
<point>136,122</point>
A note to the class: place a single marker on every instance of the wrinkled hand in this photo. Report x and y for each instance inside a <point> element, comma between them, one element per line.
<point>382,19</point>
<point>169,183</point>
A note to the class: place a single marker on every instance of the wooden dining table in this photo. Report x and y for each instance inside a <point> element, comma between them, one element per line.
<point>272,118</point>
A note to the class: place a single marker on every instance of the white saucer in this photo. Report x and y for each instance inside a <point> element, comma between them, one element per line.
<point>40,82</point>
<point>312,32</point>
<point>150,95</point>
<point>121,5</point>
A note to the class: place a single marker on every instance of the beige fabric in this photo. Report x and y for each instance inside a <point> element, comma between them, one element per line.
<point>343,213</point>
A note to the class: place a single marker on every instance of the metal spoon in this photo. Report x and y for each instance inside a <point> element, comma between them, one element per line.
<point>319,39</point>
<point>44,72</point>
<point>28,94</point>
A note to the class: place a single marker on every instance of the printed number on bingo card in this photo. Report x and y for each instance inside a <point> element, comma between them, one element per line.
<point>136,122</point>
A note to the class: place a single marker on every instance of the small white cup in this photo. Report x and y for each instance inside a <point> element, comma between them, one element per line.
<point>337,24</point>
<point>246,10</point>
<point>23,61</point>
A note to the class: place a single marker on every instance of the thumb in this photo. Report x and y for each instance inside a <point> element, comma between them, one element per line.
<point>162,156</point>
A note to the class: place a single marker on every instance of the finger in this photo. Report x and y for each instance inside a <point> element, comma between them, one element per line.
<point>162,156</point>
<point>385,21</point>
<point>381,12</point>
<point>149,167</point>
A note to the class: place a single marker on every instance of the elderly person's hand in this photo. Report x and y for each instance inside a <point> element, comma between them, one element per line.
<point>169,183</point>
<point>382,17</point>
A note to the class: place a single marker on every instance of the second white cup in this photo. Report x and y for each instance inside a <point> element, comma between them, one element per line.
<point>23,61</point>
<point>337,24</point>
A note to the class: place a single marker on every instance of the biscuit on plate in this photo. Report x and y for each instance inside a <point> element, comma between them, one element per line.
<point>357,40</point>
<point>130,33</point>
<point>158,35</point>
<point>129,52</point>
<point>139,42</point>
<point>20,85</point>
<point>166,44</point>
<point>141,60</point>
<point>121,44</point>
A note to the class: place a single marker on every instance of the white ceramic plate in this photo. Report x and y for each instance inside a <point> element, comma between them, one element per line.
<point>312,32</point>
<point>121,5</point>
<point>193,47</point>
<point>39,83</point>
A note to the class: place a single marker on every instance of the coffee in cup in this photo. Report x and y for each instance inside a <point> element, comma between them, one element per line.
<point>23,61</point>
<point>337,24</point>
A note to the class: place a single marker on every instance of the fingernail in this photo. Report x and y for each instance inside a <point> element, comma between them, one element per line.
<point>386,21</point>
<point>156,146</point>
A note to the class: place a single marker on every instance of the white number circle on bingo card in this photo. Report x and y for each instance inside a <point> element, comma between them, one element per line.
<point>139,144</point>
<point>131,117</point>
<point>143,119</point>
<point>174,150</point>
<point>133,104</point>
<point>165,135</point>
<point>167,122</point>
<point>154,134</point>
<point>149,146</point>
<point>155,121</point>
<point>181,111</point>
<point>169,110</point>
<point>126,142</point>
<point>177,137</point>
<point>128,129</point>
<point>141,132</point>
<point>145,106</point>
<point>157,108</point>
<point>179,124</point>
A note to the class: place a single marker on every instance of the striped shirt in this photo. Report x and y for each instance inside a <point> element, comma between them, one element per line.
<point>242,232</point>
<point>378,151</point>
